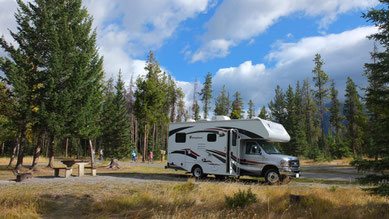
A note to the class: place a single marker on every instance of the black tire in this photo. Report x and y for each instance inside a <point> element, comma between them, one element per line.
<point>197,172</point>
<point>272,177</point>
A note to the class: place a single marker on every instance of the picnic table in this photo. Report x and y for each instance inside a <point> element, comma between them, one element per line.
<point>69,167</point>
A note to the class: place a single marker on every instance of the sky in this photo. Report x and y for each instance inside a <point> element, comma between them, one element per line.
<point>250,46</point>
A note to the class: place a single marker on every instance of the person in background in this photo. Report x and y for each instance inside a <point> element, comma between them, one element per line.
<point>151,157</point>
<point>101,154</point>
<point>133,156</point>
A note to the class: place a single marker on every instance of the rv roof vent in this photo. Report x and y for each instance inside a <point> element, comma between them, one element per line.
<point>216,118</point>
<point>190,120</point>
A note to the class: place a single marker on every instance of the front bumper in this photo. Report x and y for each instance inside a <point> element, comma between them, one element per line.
<point>292,172</point>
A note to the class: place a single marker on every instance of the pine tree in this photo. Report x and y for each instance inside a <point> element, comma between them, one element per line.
<point>290,121</point>
<point>300,137</point>
<point>237,106</point>
<point>117,130</point>
<point>263,113</point>
<point>181,106</point>
<point>195,105</point>
<point>353,110</point>
<point>149,97</point>
<point>377,98</point>
<point>251,111</point>
<point>222,103</point>
<point>337,145</point>
<point>321,94</point>
<point>206,94</point>
<point>277,108</point>
<point>22,68</point>
<point>312,123</point>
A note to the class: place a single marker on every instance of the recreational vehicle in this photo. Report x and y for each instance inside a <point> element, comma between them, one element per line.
<point>225,147</point>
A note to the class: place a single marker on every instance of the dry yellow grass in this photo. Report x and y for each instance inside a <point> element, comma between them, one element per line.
<point>173,199</point>
<point>341,162</point>
<point>26,160</point>
<point>187,200</point>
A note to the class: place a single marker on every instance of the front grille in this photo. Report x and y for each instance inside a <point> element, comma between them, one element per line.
<point>294,163</point>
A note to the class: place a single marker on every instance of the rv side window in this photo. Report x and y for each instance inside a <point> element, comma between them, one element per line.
<point>211,137</point>
<point>180,137</point>
<point>234,136</point>
<point>252,148</point>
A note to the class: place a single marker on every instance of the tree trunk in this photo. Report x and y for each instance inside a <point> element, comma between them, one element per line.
<point>167,138</point>
<point>144,144</point>
<point>136,133</point>
<point>51,151</point>
<point>153,147</point>
<point>92,157</point>
<point>23,133</point>
<point>66,147</point>
<point>37,152</point>
<point>2,149</point>
<point>14,152</point>
<point>78,148</point>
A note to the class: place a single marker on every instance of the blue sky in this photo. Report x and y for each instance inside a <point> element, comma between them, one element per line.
<point>248,45</point>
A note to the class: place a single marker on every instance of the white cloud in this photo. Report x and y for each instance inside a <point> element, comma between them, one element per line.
<point>7,21</point>
<point>344,54</point>
<point>127,29</point>
<point>235,21</point>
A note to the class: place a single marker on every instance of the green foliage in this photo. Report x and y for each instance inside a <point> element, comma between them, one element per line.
<point>241,199</point>
<point>321,94</point>
<point>263,113</point>
<point>251,111</point>
<point>237,106</point>
<point>206,94</point>
<point>356,119</point>
<point>222,103</point>
<point>277,108</point>
<point>117,130</point>
<point>377,92</point>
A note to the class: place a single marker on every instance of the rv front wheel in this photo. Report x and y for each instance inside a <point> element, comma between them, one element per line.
<point>272,176</point>
<point>197,172</point>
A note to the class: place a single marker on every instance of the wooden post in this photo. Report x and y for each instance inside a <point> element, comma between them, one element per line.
<point>144,144</point>
<point>66,147</point>
<point>92,159</point>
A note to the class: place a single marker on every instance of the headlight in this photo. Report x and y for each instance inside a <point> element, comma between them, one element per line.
<point>284,163</point>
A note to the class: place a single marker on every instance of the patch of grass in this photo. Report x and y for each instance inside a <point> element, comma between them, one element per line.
<point>324,181</point>
<point>26,160</point>
<point>241,199</point>
<point>107,198</point>
<point>341,162</point>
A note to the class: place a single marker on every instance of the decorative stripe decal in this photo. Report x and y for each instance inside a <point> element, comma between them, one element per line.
<point>172,132</point>
<point>187,152</point>
<point>243,131</point>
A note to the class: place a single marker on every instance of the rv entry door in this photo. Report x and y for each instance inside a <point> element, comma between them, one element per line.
<point>233,152</point>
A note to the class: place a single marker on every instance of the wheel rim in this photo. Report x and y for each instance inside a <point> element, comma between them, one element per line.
<point>272,177</point>
<point>197,172</point>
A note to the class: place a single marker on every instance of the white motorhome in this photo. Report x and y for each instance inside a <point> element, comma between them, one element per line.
<point>225,147</point>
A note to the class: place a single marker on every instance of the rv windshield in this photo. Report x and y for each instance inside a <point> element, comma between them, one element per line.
<point>268,147</point>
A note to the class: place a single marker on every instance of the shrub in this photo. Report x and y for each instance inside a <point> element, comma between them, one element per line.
<point>241,199</point>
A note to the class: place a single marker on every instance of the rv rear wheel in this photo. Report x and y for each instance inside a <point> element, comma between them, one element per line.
<point>272,176</point>
<point>197,172</point>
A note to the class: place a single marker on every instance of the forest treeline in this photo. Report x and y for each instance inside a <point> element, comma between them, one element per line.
<point>55,101</point>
